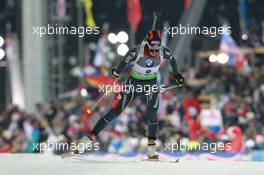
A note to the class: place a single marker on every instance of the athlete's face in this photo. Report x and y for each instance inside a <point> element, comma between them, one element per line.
<point>154,50</point>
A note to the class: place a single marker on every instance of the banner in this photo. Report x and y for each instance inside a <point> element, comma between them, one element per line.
<point>88,4</point>
<point>134,14</point>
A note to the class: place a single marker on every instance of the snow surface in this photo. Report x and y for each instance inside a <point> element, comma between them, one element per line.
<point>36,164</point>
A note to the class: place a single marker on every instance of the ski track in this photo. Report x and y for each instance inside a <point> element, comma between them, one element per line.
<point>27,164</point>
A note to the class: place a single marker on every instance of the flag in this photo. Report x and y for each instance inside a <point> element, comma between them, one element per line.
<point>88,4</point>
<point>97,81</point>
<point>162,106</point>
<point>243,17</point>
<point>134,14</point>
<point>229,46</point>
<point>16,80</point>
<point>187,4</point>
<point>61,8</point>
<point>89,70</point>
<point>100,51</point>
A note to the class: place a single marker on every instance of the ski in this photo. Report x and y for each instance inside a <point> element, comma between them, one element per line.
<point>69,155</point>
<point>162,160</point>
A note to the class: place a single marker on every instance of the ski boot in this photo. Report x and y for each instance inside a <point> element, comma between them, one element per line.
<point>151,150</point>
<point>84,141</point>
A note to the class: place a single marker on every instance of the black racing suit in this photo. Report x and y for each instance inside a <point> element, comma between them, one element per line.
<point>144,73</point>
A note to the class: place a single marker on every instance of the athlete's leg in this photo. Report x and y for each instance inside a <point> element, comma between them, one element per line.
<point>115,110</point>
<point>113,113</point>
<point>120,103</point>
<point>153,104</point>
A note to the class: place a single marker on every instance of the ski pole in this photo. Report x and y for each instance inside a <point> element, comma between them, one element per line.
<point>101,98</point>
<point>173,87</point>
<point>155,17</point>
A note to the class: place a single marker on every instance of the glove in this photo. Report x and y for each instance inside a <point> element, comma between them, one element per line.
<point>115,74</point>
<point>179,79</point>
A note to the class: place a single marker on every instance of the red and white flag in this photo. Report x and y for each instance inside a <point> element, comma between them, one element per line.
<point>134,14</point>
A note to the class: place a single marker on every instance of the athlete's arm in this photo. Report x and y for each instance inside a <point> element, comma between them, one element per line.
<point>178,77</point>
<point>130,56</point>
<point>168,55</point>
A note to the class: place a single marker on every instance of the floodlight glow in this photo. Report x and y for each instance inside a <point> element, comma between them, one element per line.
<point>222,58</point>
<point>122,49</point>
<point>122,37</point>
<point>112,38</point>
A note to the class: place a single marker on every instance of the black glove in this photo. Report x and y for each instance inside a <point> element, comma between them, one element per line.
<point>115,74</point>
<point>179,79</point>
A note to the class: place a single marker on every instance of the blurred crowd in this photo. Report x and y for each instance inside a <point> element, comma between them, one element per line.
<point>217,104</point>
